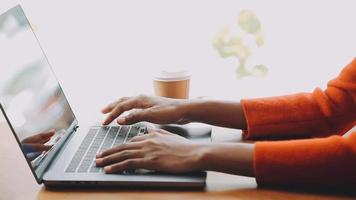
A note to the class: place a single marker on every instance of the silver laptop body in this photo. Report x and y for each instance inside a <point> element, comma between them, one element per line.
<point>34,104</point>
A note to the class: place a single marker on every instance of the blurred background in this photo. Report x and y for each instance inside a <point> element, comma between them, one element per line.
<point>102,50</point>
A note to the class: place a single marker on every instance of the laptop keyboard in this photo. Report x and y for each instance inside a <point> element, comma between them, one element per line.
<point>99,139</point>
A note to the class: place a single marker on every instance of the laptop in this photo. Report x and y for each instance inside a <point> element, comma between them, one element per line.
<point>59,152</point>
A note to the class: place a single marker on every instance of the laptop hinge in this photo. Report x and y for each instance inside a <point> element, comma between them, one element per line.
<point>50,157</point>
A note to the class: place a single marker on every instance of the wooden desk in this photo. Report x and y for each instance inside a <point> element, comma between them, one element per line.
<point>17,182</point>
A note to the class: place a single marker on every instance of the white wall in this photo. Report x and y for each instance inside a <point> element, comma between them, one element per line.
<point>101,50</point>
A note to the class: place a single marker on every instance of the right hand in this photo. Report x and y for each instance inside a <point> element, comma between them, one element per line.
<point>159,110</point>
<point>157,150</point>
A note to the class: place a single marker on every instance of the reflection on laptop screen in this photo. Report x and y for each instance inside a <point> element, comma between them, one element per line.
<point>30,95</point>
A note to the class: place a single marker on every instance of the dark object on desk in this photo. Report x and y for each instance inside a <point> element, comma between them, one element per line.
<point>195,131</point>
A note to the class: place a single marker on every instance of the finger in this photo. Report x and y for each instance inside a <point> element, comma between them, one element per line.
<point>35,147</point>
<point>48,134</point>
<point>121,147</point>
<point>43,140</point>
<point>120,108</point>
<point>136,163</point>
<point>42,147</point>
<point>119,157</point>
<point>112,105</point>
<point>40,138</point>
<point>45,137</point>
<point>134,117</point>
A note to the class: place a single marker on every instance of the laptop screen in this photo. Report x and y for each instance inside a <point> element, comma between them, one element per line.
<point>30,95</point>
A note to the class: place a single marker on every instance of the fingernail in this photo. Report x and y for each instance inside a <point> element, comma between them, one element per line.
<point>99,155</point>
<point>107,169</point>
<point>98,161</point>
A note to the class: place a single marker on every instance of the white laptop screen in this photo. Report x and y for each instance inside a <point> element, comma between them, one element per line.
<point>30,94</point>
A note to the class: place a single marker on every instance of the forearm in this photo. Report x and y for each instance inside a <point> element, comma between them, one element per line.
<point>303,115</point>
<point>219,113</point>
<point>319,162</point>
<point>232,158</point>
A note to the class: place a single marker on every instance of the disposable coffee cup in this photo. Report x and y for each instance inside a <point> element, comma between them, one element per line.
<point>172,84</point>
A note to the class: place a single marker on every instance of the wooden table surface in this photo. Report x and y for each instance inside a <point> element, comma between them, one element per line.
<point>17,182</point>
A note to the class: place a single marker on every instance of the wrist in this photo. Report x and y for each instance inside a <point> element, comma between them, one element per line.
<point>184,108</point>
<point>190,110</point>
<point>200,156</point>
<point>233,158</point>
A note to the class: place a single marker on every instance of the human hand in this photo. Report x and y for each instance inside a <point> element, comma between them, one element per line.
<point>153,109</point>
<point>158,150</point>
<point>36,143</point>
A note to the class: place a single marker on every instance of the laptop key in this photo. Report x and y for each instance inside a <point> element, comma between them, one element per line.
<point>91,153</point>
<point>134,131</point>
<point>94,168</point>
<point>97,140</point>
<point>81,150</point>
<point>106,145</point>
<point>120,138</point>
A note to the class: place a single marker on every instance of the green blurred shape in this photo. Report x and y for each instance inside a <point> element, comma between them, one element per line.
<point>249,22</point>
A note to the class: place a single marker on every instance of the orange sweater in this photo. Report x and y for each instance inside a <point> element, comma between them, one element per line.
<point>317,162</point>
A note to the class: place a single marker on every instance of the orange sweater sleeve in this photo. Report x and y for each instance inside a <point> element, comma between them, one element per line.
<point>321,162</point>
<point>316,114</point>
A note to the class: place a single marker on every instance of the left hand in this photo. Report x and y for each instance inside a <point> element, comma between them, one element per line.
<point>158,150</point>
